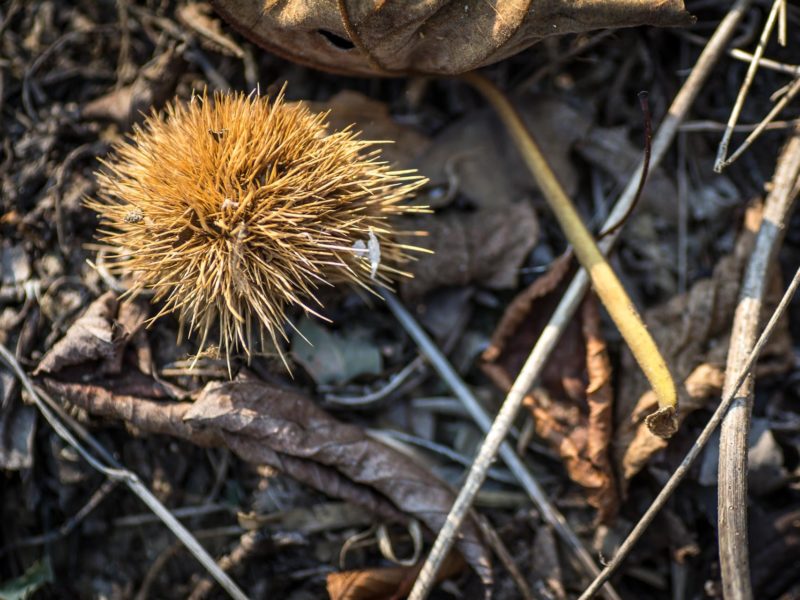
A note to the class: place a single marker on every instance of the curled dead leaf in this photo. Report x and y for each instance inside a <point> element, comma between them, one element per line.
<point>485,247</point>
<point>442,37</point>
<point>573,408</point>
<point>272,426</point>
<point>385,582</point>
<point>693,332</point>
<point>98,336</point>
<point>153,86</point>
<point>519,308</point>
<point>477,155</point>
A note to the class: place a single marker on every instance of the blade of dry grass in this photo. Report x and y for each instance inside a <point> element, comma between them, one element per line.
<point>733,445</point>
<point>115,472</point>
<point>742,55</point>
<point>683,469</point>
<point>787,97</point>
<point>722,152</point>
<point>569,303</point>
<point>604,281</point>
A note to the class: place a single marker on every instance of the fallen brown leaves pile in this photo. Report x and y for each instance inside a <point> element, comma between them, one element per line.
<point>261,423</point>
<point>572,407</point>
<point>693,332</point>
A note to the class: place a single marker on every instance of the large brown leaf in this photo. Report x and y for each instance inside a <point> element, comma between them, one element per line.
<point>272,426</point>
<point>436,37</point>
<point>252,416</point>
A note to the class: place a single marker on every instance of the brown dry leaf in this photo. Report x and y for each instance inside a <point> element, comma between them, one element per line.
<point>484,247</point>
<point>95,337</point>
<point>197,16</point>
<point>692,331</point>
<point>373,119</point>
<point>519,309</point>
<point>153,86</point>
<point>272,426</point>
<point>610,149</point>
<point>580,428</point>
<point>442,37</point>
<point>479,155</point>
<point>572,409</point>
<point>600,398</point>
<point>519,328</point>
<point>387,582</point>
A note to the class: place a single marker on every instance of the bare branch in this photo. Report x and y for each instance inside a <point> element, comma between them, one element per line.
<point>733,444</point>
<point>115,472</point>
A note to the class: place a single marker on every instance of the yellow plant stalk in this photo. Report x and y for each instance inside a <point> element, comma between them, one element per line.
<point>604,280</point>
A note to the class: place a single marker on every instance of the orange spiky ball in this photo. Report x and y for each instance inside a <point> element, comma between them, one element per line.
<point>235,209</point>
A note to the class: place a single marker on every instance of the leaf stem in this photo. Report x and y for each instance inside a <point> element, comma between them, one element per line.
<point>605,282</point>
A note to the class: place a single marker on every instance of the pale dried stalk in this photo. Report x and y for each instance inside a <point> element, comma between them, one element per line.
<point>787,97</point>
<point>683,469</point>
<point>604,281</point>
<point>722,152</point>
<point>767,63</point>
<point>744,56</point>
<point>115,472</point>
<point>569,303</point>
<point>733,444</point>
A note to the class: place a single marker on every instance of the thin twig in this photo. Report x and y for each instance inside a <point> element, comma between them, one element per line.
<point>700,126</point>
<point>733,443</point>
<point>460,508</point>
<point>183,512</point>
<point>496,543</point>
<point>247,545</point>
<point>722,152</point>
<point>68,527</point>
<point>742,55</point>
<point>401,440</point>
<point>766,63</point>
<point>648,140</point>
<point>791,92</point>
<point>697,448</point>
<point>373,397</point>
<point>116,472</point>
<point>572,298</point>
<point>171,551</point>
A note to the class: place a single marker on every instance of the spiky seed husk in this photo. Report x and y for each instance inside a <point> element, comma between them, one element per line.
<point>234,209</point>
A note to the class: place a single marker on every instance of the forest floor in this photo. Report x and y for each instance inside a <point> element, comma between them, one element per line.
<point>285,516</point>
